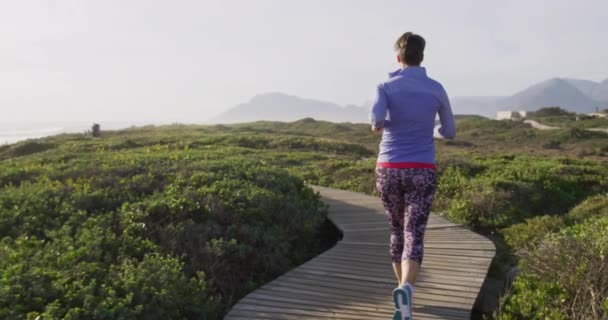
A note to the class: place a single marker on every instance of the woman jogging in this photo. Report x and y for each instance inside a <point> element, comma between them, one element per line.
<point>404,111</point>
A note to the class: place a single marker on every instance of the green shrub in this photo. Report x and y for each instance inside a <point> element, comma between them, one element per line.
<point>591,207</point>
<point>550,112</point>
<point>25,148</point>
<point>533,300</point>
<point>213,199</point>
<point>481,206</point>
<point>155,231</point>
<point>533,230</point>
<point>552,144</point>
<point>498,192</point>
<point>153,288</point>
<point>564,277</point>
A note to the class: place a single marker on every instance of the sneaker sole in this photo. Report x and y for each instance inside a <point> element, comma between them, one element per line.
<point>400,294</point>
<point>397,315</point>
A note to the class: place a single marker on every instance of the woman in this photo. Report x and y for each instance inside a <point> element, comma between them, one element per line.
<point>404,111</point>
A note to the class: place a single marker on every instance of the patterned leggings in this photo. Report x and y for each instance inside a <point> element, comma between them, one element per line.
<point>411,189</point>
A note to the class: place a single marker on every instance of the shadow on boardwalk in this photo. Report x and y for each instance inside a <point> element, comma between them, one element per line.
<point>354,279</point>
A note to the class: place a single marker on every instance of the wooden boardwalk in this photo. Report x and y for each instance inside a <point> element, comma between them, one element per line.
<point>354,279</point>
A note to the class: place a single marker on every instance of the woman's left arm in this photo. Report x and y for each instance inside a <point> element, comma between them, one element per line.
<point>446,117</point>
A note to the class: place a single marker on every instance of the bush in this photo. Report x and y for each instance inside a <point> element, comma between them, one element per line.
<point>499,192</point>
<point>153,288</point>
<point>551,112</point>
<point>25,148</point>
<point>552,144</point>
<point>529,233</point>
<point>481,206</point>
<point>150,232</point>
<point>591,207</point>
<point>564,277</point>
<point>84,214</point>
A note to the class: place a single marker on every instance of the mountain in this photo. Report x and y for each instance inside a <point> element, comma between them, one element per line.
<point>600,92</point>
<point>554,92</point>
<point>584,86</point>
<point>575,95</point>
<point>597,91</point>
<point>283,107</point>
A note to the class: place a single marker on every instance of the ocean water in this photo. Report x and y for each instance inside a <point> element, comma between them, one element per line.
<point>15,132</point>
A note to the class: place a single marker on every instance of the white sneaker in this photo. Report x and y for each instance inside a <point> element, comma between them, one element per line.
<point>402,297</point>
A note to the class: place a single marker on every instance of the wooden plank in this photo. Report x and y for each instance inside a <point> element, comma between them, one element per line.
<point>425,296</point>
<point>253,312</point>
<point>429,267</point>
<point>371,269</point>
<point>427,264</point>
<point>475,245</point>
<point>422,278</point>
<point>311,297</point>
<point>434,276</point>
<point>354,280</point>
<point>389,285</point>
<point>364,306</point>
<point>455,253</point>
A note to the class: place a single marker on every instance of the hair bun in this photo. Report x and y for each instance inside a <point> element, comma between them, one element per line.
<point>414,43</point>
<point>410,47</point>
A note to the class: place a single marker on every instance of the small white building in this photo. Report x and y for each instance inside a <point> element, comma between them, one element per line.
<point>511,115</point>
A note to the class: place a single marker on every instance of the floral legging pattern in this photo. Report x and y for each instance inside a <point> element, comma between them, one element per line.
<point>407,195</point>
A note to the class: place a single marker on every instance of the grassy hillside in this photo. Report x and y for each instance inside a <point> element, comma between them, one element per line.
<point>181,221</point>
<point>476,135</point>
<point>561,118</point>
<point>151,223</point>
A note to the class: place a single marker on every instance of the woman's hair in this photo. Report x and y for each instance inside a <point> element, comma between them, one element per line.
<point>410,48</point>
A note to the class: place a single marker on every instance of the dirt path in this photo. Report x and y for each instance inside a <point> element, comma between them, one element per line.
<point>604,130</point>
<point>540,126</point>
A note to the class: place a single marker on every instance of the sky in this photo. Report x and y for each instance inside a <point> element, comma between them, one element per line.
<point>188,60</point>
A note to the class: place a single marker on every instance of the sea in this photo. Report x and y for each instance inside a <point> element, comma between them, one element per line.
<point>15,132</point>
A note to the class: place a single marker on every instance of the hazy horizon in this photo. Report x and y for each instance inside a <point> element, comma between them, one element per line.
<point>187,61</point>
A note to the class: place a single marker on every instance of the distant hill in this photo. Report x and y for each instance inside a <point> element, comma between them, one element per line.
<point>575,95</point>
<point>284,107</point>
<point>600,91</point>
<point>554,92</point>
<point>584,86</point>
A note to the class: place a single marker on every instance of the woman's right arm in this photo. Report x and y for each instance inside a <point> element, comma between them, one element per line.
<point>446,117</point>
<point>379,109</point>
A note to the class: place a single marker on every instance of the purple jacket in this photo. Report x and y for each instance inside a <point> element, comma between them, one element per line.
<point>406,106</point>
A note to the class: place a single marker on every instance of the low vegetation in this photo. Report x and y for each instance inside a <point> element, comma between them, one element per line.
<point>181,221</point>
<point>146,229</point>
<point>558,117</point>
<point>564,276</point>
